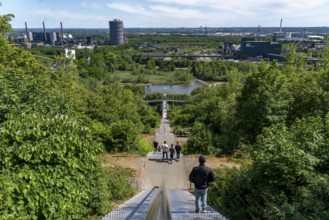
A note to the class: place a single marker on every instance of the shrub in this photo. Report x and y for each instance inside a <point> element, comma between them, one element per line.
<point>144,147</point>
<point>119,183</point>
<point>48,168</point>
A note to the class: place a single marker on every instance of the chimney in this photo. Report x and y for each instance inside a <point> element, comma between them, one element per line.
<point>62,32</point>
<point>44,31</point>
<point>27,33</point>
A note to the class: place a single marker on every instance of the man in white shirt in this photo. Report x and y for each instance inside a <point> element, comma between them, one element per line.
<point>165,149</point>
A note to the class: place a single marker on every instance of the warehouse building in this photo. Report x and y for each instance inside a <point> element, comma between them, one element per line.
<point>259,48</point>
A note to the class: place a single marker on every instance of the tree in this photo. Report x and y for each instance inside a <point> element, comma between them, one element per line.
<point>51,165</point>
<point>4,22</point>
<point>48,158</point>
<point>150,64</point>
<point>201,140</point>
<point>264,101</point>
<point>287,178</point>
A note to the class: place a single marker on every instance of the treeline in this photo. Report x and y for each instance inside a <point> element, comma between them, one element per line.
<point>218,70</point>
<point>278,115</point>
<point>161,96</point>
<point>53,127</point>
<point>100,62</point>
<point>178,40</point>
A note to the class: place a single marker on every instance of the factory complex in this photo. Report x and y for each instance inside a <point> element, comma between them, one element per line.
<point>252,45</point>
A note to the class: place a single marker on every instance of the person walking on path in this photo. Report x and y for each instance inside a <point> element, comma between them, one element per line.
<point>165,149</point>
<point>201,176</point>
<point>178,149</point>
<point>172,152</point>
<point>155,146</point>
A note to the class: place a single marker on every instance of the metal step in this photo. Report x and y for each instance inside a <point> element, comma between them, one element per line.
<point>182,206</point>
<point>180,203</point>
<point>135,208</point>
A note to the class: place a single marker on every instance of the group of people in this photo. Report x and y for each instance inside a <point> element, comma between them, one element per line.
<point>166,149</point>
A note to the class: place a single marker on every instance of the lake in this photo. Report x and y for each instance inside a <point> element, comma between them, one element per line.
<point>172,89</point>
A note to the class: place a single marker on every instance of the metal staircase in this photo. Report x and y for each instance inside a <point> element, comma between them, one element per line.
<point>157,204</point>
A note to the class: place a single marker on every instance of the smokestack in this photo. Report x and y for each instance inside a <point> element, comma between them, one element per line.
<point>44,31</point>
<point>280,25</point>
<point>27,33</point>
<point>62,34</point>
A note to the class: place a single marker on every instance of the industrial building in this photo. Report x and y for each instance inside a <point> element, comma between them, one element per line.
<point>48,38</point>
<point>90,40</point>
<point>260,48</point>
<point>116,32</point>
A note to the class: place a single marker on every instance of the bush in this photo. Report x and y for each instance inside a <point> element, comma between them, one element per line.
<point>119,183</point>
<point>228,193</point>
<point>200,141</point>
<point>49,168</point>
<point>144,147</point>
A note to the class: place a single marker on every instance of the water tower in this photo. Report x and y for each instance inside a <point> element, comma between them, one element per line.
<point>116,32</point>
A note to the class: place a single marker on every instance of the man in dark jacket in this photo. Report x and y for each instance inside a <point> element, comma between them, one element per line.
<point>178,149</point>
<point>201,176</point>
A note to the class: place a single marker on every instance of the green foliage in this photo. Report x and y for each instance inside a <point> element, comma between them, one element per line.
<point>155,96</point>
<point>48,153</point>
<point>52,164</point>
<point>218,70</point>
<point>119,182</point>
<point>281,115</point>
<point>214,108</point>
<point>119,114</point>
<point>200,141</point>
<point>150,64</point>
<point>4,22</point>
<point>286,179</point>
<point>144,147</point>
<point>228,192</point>
<point>264,101</point>
<point>123,136</point>
<point>184,75</point>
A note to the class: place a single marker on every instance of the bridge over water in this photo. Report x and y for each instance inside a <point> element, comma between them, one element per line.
<point>166,100</point>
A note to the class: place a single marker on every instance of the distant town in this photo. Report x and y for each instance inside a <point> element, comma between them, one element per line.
<point>255,42</point>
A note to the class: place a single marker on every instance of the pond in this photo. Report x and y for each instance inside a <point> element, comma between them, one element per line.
<point>172,89</point>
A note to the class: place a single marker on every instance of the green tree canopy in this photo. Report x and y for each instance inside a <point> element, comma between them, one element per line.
<point>4,22</point>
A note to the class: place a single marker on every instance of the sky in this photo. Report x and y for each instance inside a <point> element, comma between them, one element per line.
<point>167,13</point>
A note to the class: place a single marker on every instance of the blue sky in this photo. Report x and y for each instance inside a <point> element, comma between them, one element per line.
<point>167,13</point>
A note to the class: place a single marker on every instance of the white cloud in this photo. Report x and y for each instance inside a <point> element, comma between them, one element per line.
<point>172,13</point>
<point>250,7</point>
<point>176,12</point>
<point>69,16</point>
<point>158,11</point>
<point>93,5</point>
<point>133,9</point>
<point>179,2</point>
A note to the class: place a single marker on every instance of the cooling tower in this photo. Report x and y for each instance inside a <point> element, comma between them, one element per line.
<point>116,32</point>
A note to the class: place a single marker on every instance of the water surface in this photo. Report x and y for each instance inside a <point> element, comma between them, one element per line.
<point>172,89</point>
